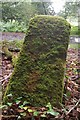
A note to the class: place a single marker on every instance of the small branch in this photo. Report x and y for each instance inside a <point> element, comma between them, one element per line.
<point>8,116</point>
<point>75,78</point>
<point>73,107</point>
<point>6,78</point>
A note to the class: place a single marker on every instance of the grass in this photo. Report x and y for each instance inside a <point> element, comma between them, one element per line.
<point>74,45</point>
<point>75,30</point>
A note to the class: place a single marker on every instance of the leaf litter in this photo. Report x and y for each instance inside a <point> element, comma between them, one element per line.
<point>70,108</point>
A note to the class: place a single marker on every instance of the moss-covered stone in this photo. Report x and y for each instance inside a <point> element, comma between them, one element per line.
<point>38,75</point>
<point>6,52</point>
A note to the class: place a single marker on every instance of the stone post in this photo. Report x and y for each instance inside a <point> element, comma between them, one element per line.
<point>39,74</point>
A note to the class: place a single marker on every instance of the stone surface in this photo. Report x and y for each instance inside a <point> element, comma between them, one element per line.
<point>39,73</point>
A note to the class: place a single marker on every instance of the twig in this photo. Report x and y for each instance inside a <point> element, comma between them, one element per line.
<point>9,116</point>
<point>75,78</point>
<point>6,78</point>
<point>73,107</point>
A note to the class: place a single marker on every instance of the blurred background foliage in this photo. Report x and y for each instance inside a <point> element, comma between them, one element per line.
<point>16,15</point>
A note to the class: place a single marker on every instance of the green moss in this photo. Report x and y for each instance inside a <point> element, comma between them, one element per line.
<point>7,53</point>
<point>39,72</point>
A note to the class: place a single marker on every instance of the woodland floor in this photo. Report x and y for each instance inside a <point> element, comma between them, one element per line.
<point>71,99</point>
